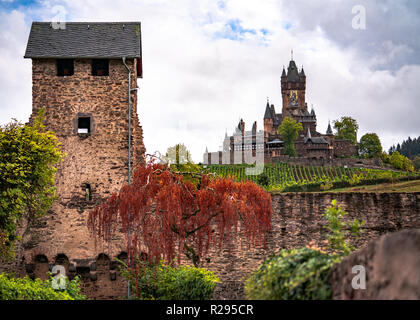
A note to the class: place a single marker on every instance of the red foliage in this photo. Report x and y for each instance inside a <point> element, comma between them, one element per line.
<point>165,215</point>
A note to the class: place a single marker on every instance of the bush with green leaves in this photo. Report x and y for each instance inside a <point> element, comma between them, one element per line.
<point>13,288</point>
<point>338,235</point>
<point>304,273</point>
<point>29,155</point>
<point>398,161</point>
<point>292,274</point>
<point>263,180</point>
<point>166,282</point>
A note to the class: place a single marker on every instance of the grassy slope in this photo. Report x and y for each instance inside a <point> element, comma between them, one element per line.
<point>406,186</point>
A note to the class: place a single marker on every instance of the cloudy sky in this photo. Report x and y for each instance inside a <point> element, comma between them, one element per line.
<point>208,63</point>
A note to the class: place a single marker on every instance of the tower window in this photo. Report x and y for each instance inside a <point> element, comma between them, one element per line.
<point>83,125</point>
<point>65,67</point>
<point>87,191</point>
<point>100,67</point>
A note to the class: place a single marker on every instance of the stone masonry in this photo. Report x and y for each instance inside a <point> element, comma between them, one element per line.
<point>297,221</point>
<point>98,159</point>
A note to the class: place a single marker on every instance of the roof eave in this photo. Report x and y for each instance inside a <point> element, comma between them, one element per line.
<point>80,57</point>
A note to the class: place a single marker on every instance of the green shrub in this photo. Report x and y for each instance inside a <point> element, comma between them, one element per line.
<point>12,288</point>
<point>166,282</point>
<point>337,235</point>
<point>292,274</point>
<point>263,179</point>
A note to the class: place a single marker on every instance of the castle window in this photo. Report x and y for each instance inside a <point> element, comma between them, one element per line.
<point>100,67</point>
<point>88,191</point>
<point>83,125</point>
<point>65,67</point>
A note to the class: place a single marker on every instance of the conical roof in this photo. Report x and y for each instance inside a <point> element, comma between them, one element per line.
<point>329,130</point>
<point>267,114</point>
<point>292,72</point>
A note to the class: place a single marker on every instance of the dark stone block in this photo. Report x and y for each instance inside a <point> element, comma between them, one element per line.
<point>30,267</point>
<point>72,267</point>
<point>114,265</point>
<point>93,276</point>
<point>93,266</point>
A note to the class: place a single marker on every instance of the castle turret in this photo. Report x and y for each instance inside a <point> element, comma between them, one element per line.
<point>329,130</point>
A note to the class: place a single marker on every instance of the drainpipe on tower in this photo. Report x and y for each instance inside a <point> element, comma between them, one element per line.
<point>129,155</point>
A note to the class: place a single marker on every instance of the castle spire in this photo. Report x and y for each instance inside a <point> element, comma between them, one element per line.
<point>308,136</point>
<point>291,55</point>
<point>312,110</point>
<point>268,114</point>
<point>329,130</point>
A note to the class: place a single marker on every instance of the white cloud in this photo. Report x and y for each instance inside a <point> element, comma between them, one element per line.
<point>197,85</point>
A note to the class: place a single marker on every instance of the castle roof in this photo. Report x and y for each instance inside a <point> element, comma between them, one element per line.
<point>302,73</point>
<point>283,74</point>
<point>315,140</point>
<point>84,40</point>
<point>267,114</point>
<point>329,130</point>
<point>292,72</point>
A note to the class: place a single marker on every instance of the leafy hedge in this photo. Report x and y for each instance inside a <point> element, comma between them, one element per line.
<point>293,274</point>
<point>165,282</point>
<point>12,288</point>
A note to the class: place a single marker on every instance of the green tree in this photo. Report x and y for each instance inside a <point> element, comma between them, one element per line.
<point>28,156</point>
<point>178,154</point>
<point>179,158</point>
<point>370,146</point>
<point>416,163</point>
<point>398,161</point>
<point>289,130</point>
<point>346,129</point>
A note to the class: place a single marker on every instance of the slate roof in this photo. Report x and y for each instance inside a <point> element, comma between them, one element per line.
<point>292,72</point>
<point>315,140</point>
<point>85,40</point>
<point>329,130</point>
<point>267,114</point>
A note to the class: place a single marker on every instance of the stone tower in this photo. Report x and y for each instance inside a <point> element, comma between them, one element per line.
<point>293,85</point>
<point>80,75</point>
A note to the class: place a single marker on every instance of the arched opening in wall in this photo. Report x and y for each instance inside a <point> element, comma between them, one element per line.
<point>123,256</point>
<point>41,267</point>
<point>62,260</point>
<point>103,262</point>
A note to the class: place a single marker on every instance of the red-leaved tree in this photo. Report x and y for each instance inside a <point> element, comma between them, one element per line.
<point>164,214</point>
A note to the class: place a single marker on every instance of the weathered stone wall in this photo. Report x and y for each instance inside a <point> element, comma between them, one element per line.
<point>343,148</point>
<point>98,159</point>
<point>297,221</point>
<point>391,269</point>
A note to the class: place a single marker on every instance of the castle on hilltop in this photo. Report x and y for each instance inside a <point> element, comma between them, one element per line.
<point>267,145</point>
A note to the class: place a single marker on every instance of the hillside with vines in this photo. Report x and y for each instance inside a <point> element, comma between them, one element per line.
<point>293,177</point>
